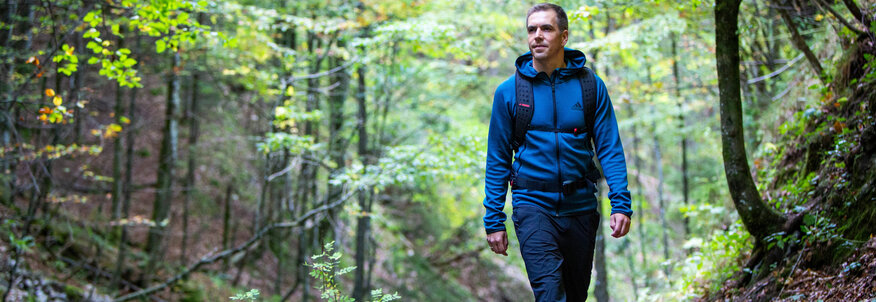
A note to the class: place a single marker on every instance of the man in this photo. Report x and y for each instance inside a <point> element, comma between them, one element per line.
<point>554,200</point>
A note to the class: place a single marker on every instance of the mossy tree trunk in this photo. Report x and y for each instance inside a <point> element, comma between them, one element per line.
<point>760,219</point>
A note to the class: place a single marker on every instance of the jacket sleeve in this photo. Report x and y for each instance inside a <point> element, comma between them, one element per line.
<point>499,156</point>
<point>610,151</point>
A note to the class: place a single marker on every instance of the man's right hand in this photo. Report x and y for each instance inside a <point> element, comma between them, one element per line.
<point>498,242</point>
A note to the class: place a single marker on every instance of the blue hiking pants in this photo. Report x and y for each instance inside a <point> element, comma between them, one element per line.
<point>557,251</point>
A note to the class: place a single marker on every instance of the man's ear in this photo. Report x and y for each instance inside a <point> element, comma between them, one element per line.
<point>565,37</point>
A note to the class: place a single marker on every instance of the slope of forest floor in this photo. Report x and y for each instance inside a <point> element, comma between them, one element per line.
<point>823,171</point>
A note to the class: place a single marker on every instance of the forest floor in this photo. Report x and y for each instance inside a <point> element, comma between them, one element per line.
<point>853,280</point>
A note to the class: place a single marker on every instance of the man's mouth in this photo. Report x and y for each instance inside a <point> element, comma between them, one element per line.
<point>539,47</point>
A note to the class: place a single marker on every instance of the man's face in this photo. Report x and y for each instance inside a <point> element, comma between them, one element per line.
<point>545,39</point>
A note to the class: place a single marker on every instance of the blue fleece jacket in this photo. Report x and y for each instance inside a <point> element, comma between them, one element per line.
<point>551,156</point>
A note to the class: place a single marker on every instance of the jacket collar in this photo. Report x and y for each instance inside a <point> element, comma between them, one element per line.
<point>575,61</point>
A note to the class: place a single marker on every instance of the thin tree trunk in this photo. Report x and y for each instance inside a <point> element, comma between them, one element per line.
<point>681,125</point>
<point>796,39</point>
<point>631,263</point>
<point>760,219</point>
<point>117,152</point>
<point>360,287</point>
<point>167,161</point>
<point>226,224</point>
<point>126,190</point>
<point>637,161</point>
<point>190,187</point>
<point>856,12</point>
<point>601,285</point>
<point>658,165</point>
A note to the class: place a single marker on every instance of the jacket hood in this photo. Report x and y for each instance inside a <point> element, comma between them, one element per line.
<point>575,61</point>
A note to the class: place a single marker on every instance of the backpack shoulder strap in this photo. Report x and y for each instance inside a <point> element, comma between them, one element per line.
<point>588,95</point>
<point>524,109</point>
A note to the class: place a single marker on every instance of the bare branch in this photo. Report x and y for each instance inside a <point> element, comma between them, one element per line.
<point>208,259</point>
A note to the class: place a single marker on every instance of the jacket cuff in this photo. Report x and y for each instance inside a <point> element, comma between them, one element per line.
<point>491,230</point>
<point>629,213</point>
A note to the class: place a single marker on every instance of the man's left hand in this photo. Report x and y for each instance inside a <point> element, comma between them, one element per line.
<point>620,225</point>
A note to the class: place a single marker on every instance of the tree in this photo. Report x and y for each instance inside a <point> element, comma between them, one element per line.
<point>166,167</point>
<point>760,219</point>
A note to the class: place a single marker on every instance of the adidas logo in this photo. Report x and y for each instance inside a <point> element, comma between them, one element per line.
<point>577,107</point>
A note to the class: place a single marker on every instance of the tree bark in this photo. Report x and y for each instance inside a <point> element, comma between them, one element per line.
<point>126,189</point>
<point>167,160</point>
<point>117,151</point>
<point>760,219</point>
<point>337,143</point>
<point>226,223</point>
<point>361,287</point>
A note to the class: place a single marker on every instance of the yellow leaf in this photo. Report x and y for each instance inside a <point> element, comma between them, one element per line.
<point>819,17</point>
<point>70,51</point>
<point>56,101</point>
<point>50,92</point>
<point>115,128</point>
<point>95,132</point>
<point>43,117</point>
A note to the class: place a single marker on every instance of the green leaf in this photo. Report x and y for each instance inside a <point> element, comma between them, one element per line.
<point>809,219</point>
<point>160,46</point>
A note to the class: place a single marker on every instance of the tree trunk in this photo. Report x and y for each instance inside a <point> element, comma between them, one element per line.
<point>337,143</point>
<point>226,224</point>
<point>796,39</point>
<point>117,152</point>
<point>640,212</point>
<point>760,219</point>
<point>631,263</point>
<point>601,284</point>
<point>126,189</point>
<point>681,125</point>
<point>658,165</point>
<point>167,160</point>
<point>361,287</point>
<point>190,187</point>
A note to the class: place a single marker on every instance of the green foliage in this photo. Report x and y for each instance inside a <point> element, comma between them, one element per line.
<point>67,55</point>
<point>22,244</point>
<point>795,193</point>
<point>252,295</point>
<point>717,259</point>
<point>326,269</point>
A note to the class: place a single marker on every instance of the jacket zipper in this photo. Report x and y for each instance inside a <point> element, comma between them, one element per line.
<point>557,144</point>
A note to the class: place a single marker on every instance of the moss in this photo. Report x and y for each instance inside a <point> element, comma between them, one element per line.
<point>73,293</point>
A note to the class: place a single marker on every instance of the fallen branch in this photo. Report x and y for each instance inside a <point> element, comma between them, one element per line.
<point>208,259</point>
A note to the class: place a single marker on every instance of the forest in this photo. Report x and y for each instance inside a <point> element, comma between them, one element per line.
<point>334,150</point>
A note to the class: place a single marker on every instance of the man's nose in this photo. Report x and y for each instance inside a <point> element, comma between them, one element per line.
<point>539,34</point>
